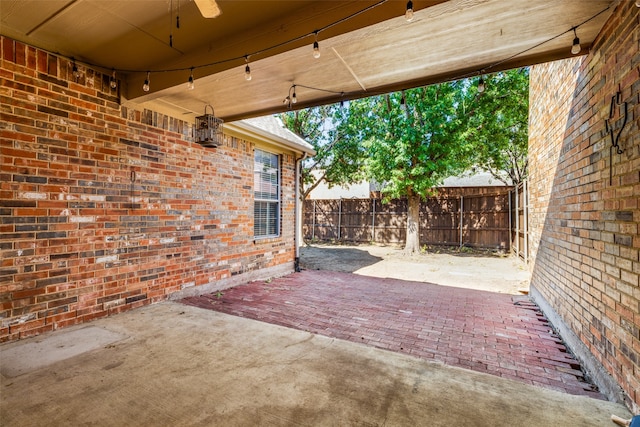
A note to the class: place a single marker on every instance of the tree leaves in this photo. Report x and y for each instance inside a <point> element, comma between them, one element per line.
<point>496,124</point>
<point>339,153</point>
<point>413,145</point>
<point>412,140</point>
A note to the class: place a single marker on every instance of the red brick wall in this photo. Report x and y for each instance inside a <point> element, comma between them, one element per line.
<point>584,228</point>
<point>104,208</point>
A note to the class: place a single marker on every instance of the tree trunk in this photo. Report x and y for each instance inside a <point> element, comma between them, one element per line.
<point>412,244</point>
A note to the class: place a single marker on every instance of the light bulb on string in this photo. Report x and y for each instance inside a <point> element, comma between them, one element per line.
<point>190,84</point>
<point>247,69</point>
<point>178,16</point>
<point>575,48</point>
<point>171,23</point>
<point>113,83</point>
<point>403,102</point>
<point>408,15</point>
<point>316,47</point>
<point>291,98</point>
<point>145,86</point>
<point>481,85</point>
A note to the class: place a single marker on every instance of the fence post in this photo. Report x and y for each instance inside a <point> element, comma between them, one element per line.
<point>339,218</point>
<point>510,225</point>
<point>461,217</point>
<point>373,220</point>
<point>518,220</point>
<point>525,202</point>
<point>313,222</point>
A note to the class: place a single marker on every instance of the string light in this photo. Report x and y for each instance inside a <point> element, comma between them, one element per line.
<point>481,85</point>
<point>575,49</point>
<point>145,86</point>
<point>112,81</point>
<point>408,15</point>
<point>178,16</point>
<point>316,47</point>
<point>247,69</point>
<point>403,102</point>
<point>190,83</point>
<point>292,98</point>
<point>287,100</point>
<point>171,23</point>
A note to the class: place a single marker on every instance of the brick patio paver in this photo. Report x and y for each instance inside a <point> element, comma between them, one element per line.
<point>498,334</point>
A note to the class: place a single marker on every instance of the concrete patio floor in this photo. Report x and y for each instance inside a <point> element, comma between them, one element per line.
<point>173,364</point>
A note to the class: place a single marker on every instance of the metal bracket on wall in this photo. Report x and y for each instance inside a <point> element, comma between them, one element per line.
<point>615,136</point>
<point>132,178</point>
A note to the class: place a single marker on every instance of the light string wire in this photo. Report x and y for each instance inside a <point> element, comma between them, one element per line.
<point>289,99</point>
<point>314,33</point>
<point>502,61</point>
<point>237,58</point>
<point>335,92</point>
<point>473,73</point>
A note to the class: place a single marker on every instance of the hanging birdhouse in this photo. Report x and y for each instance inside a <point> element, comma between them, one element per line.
<point>208,129</point>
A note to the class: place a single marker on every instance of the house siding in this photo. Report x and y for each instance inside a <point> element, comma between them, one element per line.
<point>584,217</point>
<point>104,208</point>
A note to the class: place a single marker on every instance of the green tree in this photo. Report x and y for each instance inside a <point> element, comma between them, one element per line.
<point>496,123</point>
<point>413,143</point>
<point>339,154</point>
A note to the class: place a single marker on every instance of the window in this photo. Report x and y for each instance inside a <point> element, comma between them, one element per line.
<point>266,187</point>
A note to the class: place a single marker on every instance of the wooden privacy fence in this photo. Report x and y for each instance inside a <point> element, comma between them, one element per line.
<point>473,217</point>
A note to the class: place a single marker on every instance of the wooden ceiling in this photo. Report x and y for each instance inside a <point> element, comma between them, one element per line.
<point>367,47</point>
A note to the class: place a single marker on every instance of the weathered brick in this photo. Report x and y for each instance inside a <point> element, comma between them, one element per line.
<point>8,49</point>
<point>569,101</point>
<point>83,225</point>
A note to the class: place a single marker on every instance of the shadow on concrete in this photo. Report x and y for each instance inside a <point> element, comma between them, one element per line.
<point>344,260</point>
<point>471,270</point>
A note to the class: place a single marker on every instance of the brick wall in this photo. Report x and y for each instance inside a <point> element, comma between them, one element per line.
<point>104,208</point>
<point>584,227</point>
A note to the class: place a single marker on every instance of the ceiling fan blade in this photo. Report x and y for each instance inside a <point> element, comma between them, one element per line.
<point>208,8</point>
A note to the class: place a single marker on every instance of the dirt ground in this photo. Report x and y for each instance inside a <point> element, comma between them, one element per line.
<point>488,271</point>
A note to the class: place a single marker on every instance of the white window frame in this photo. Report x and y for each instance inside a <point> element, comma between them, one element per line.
<point>266,191</point>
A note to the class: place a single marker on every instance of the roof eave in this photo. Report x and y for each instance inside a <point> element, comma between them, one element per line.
<point>253,133</point>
